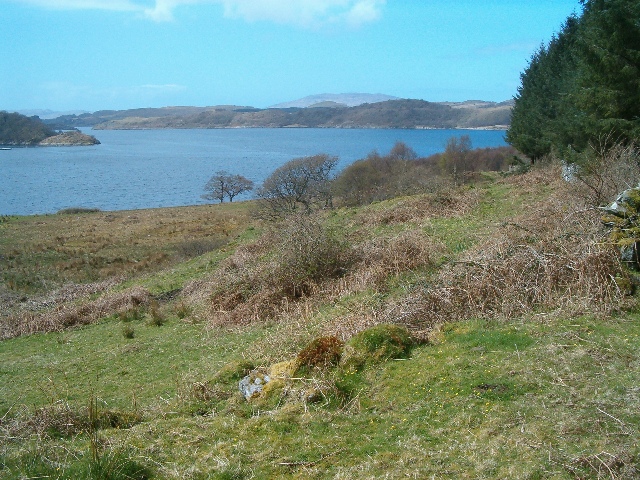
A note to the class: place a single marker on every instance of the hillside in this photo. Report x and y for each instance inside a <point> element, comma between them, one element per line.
<point>387,114</point>
<point>20,130</point>
<point>461,333</point>
<point>16,129</point>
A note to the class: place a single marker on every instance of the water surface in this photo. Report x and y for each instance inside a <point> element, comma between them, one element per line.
<point>134,169</point>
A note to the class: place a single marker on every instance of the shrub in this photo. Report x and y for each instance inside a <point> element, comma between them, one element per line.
<point>156,317</point>
<point>182,310</point>
<point>602,172</point>
<point>77,210</point>
<point>195,248</point>
<point>307,253</point>
<point>133,313</point>
<point>128,331</point>
<point>300,185</point>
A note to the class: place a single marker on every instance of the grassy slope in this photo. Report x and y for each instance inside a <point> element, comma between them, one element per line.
<point>546,396</point>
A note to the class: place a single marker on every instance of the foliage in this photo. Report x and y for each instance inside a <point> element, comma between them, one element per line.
<point>308,253</point>
<point>16,129</point>
<point>223,184</point>
<point>530,377</point>
<point>455,159</point>
<point>77,210</point>
<point>301,184</point>
<point>584,85</point>
<point>600,173</point>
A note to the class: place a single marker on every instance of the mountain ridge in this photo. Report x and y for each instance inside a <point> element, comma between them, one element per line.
<point>400,113</point>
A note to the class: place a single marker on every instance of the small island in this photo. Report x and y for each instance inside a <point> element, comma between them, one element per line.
<point>70,138</point>
<point>18,130</point>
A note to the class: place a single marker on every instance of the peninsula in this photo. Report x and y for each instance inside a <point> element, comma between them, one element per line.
<point>18,130</point>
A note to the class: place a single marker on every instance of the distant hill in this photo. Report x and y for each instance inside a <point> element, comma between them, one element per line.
<point>347,99</point>
<point>19,130</point>
<point>400,113</point>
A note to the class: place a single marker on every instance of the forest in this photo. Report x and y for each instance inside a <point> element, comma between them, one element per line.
<point>581,92</point>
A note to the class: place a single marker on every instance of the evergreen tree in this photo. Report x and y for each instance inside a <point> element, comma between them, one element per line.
<point>584,86</point>
<point>609,80</point>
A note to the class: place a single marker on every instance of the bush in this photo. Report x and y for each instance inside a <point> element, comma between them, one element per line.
<point>300,185</point>
<point>308,253</point>
<point>128,331</point>
<point>77,210</point>
<point>156,317</point>
<point>601,172</point>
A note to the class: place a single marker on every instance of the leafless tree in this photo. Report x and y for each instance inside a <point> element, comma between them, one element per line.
<point>223,184</point>
<point>302,184</point>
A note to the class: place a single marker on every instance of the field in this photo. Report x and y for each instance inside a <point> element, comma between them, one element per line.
<point>488,331</point>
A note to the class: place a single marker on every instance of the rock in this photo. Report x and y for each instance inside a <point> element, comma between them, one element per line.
<point>623,219</point>
<point>626,203</point>
<point>252,384</point>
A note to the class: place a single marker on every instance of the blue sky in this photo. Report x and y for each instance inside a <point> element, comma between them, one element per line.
<point>117,54</point>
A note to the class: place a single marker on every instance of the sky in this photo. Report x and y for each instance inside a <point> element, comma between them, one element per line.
<point>117,54</point>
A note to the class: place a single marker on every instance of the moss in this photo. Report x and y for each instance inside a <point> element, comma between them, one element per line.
<point>377,344</point>
<point>321,353</point>
<point>285,369</point>
<point>233,372</point>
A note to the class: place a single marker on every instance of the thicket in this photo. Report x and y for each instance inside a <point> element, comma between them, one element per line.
<point>584,86</point>
<point>401,172</point>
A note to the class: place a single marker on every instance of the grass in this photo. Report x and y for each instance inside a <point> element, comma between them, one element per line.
<point>545,391</point>
<point>40,252</point>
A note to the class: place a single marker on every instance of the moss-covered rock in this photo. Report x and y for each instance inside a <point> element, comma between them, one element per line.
<point>622,217</point>
<point>377,344</point>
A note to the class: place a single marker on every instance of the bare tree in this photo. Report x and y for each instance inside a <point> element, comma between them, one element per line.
<point>402,151</point>
<point>302,184</point>
<point>237,184</point>
<point>455,159</point>
<point>223,184</point>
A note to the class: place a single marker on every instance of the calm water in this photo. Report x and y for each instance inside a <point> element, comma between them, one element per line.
<point>161,168</point>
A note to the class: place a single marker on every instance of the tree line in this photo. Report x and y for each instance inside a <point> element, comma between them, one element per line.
<point>583,88</point>
<point>311,183</point>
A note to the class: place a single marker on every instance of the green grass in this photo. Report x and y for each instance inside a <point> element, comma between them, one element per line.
<point>539,399</point>
<point>45,368</point>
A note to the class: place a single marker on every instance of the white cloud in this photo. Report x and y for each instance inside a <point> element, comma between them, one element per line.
<point>305,13</point>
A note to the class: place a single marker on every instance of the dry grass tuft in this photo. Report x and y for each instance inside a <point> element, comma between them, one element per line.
<point>71,315</point>
<point>61,420</point>
<point>603,465</point>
